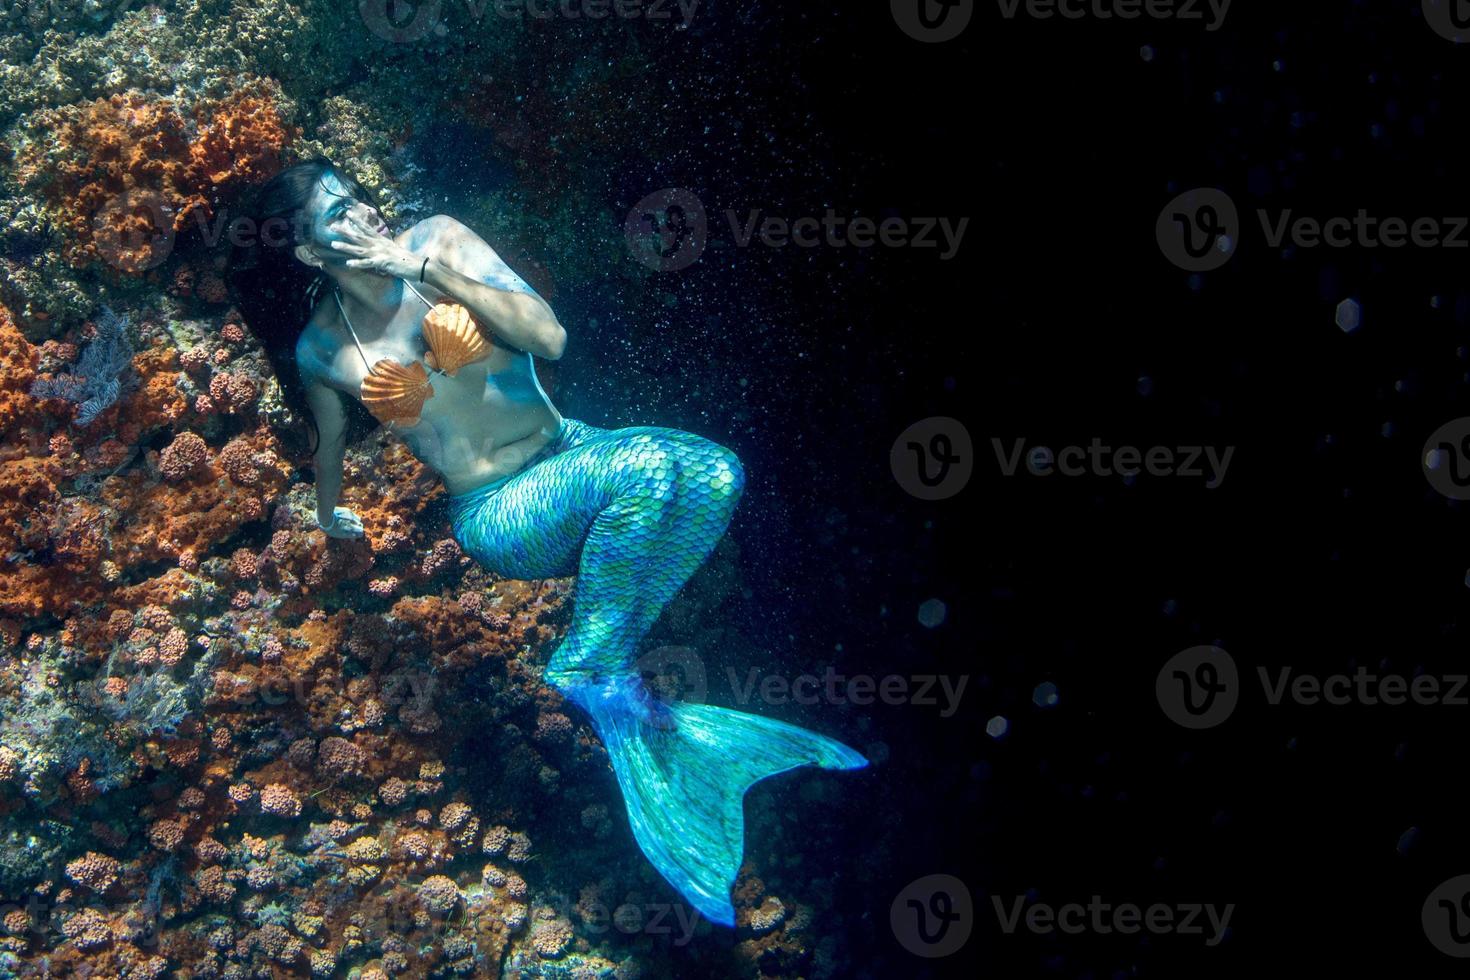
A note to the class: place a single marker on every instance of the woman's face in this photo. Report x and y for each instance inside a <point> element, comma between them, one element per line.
<point>328,214</point>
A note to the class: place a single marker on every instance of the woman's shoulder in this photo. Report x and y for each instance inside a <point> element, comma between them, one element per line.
<point>317,346</point>
<point>429,231</point>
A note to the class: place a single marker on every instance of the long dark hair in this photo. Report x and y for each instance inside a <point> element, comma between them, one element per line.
<point>276,293</point>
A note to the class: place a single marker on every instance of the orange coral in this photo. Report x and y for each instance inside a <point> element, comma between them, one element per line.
<point>195,514</point>
<point>239,144</point>
<point>28,500</point>
<point>158,401</point>
<point>18,360</point>
<point>123,175</point>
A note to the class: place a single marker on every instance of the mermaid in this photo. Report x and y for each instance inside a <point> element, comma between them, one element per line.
<point>430,333</point>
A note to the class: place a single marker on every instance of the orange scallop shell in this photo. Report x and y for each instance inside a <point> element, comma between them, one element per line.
<point>395,393</point>
<point>454,338</point>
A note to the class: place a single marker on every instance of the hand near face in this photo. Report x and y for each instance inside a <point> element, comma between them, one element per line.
<point>373,251</point>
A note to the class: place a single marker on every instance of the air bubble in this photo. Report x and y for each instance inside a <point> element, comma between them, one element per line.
<point>932,613</point>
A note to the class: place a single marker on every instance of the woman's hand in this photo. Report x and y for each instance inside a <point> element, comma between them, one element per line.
<point>374,252</point>
<point>344,524</point>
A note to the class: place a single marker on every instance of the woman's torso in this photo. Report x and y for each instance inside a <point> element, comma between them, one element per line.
<point>480,425</point>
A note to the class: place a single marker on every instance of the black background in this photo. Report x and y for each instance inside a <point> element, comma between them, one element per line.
<point>1324,549</point>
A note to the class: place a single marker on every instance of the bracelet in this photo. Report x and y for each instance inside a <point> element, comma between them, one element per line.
<point>422,268</point>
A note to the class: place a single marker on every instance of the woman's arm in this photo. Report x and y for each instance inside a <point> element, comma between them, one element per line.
<point>459,263</point>
<point>522,320</point>
<point>331,449</point>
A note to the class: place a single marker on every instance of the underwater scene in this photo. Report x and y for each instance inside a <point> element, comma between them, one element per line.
<point>753,489</point>
<point>436,495</point>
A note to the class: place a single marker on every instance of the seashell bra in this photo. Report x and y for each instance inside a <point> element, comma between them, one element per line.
<point>394,392</point>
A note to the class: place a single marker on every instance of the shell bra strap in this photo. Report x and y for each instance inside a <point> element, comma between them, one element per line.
<point>337,295</point>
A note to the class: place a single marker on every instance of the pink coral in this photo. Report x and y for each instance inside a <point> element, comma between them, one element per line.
<point>195,359</point>
<point>183,456</point>
<point>238,461</point>
<point>96,871</point>
<point>277,798</point>
<point>339,758</point>
<point>166,835</point>
<point>235,392</point>
<point>438,893</point>
<point>444,556</point>
<point>173,647</point>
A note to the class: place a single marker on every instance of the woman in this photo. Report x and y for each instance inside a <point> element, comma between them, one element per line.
<point>632,512</point>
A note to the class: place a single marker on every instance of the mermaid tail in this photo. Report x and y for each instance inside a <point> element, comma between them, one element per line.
<point>684,779</point>
<point>634,512</point>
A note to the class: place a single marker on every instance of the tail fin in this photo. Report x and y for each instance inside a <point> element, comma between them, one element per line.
<point>684,769</point>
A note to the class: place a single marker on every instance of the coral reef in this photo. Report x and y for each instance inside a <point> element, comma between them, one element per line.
<point>222,753</point>
<point>97,380</point>
<point>231,746</point>
<point>121,177</point>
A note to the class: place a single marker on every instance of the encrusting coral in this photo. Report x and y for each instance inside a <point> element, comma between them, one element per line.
<point>230,745</point>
